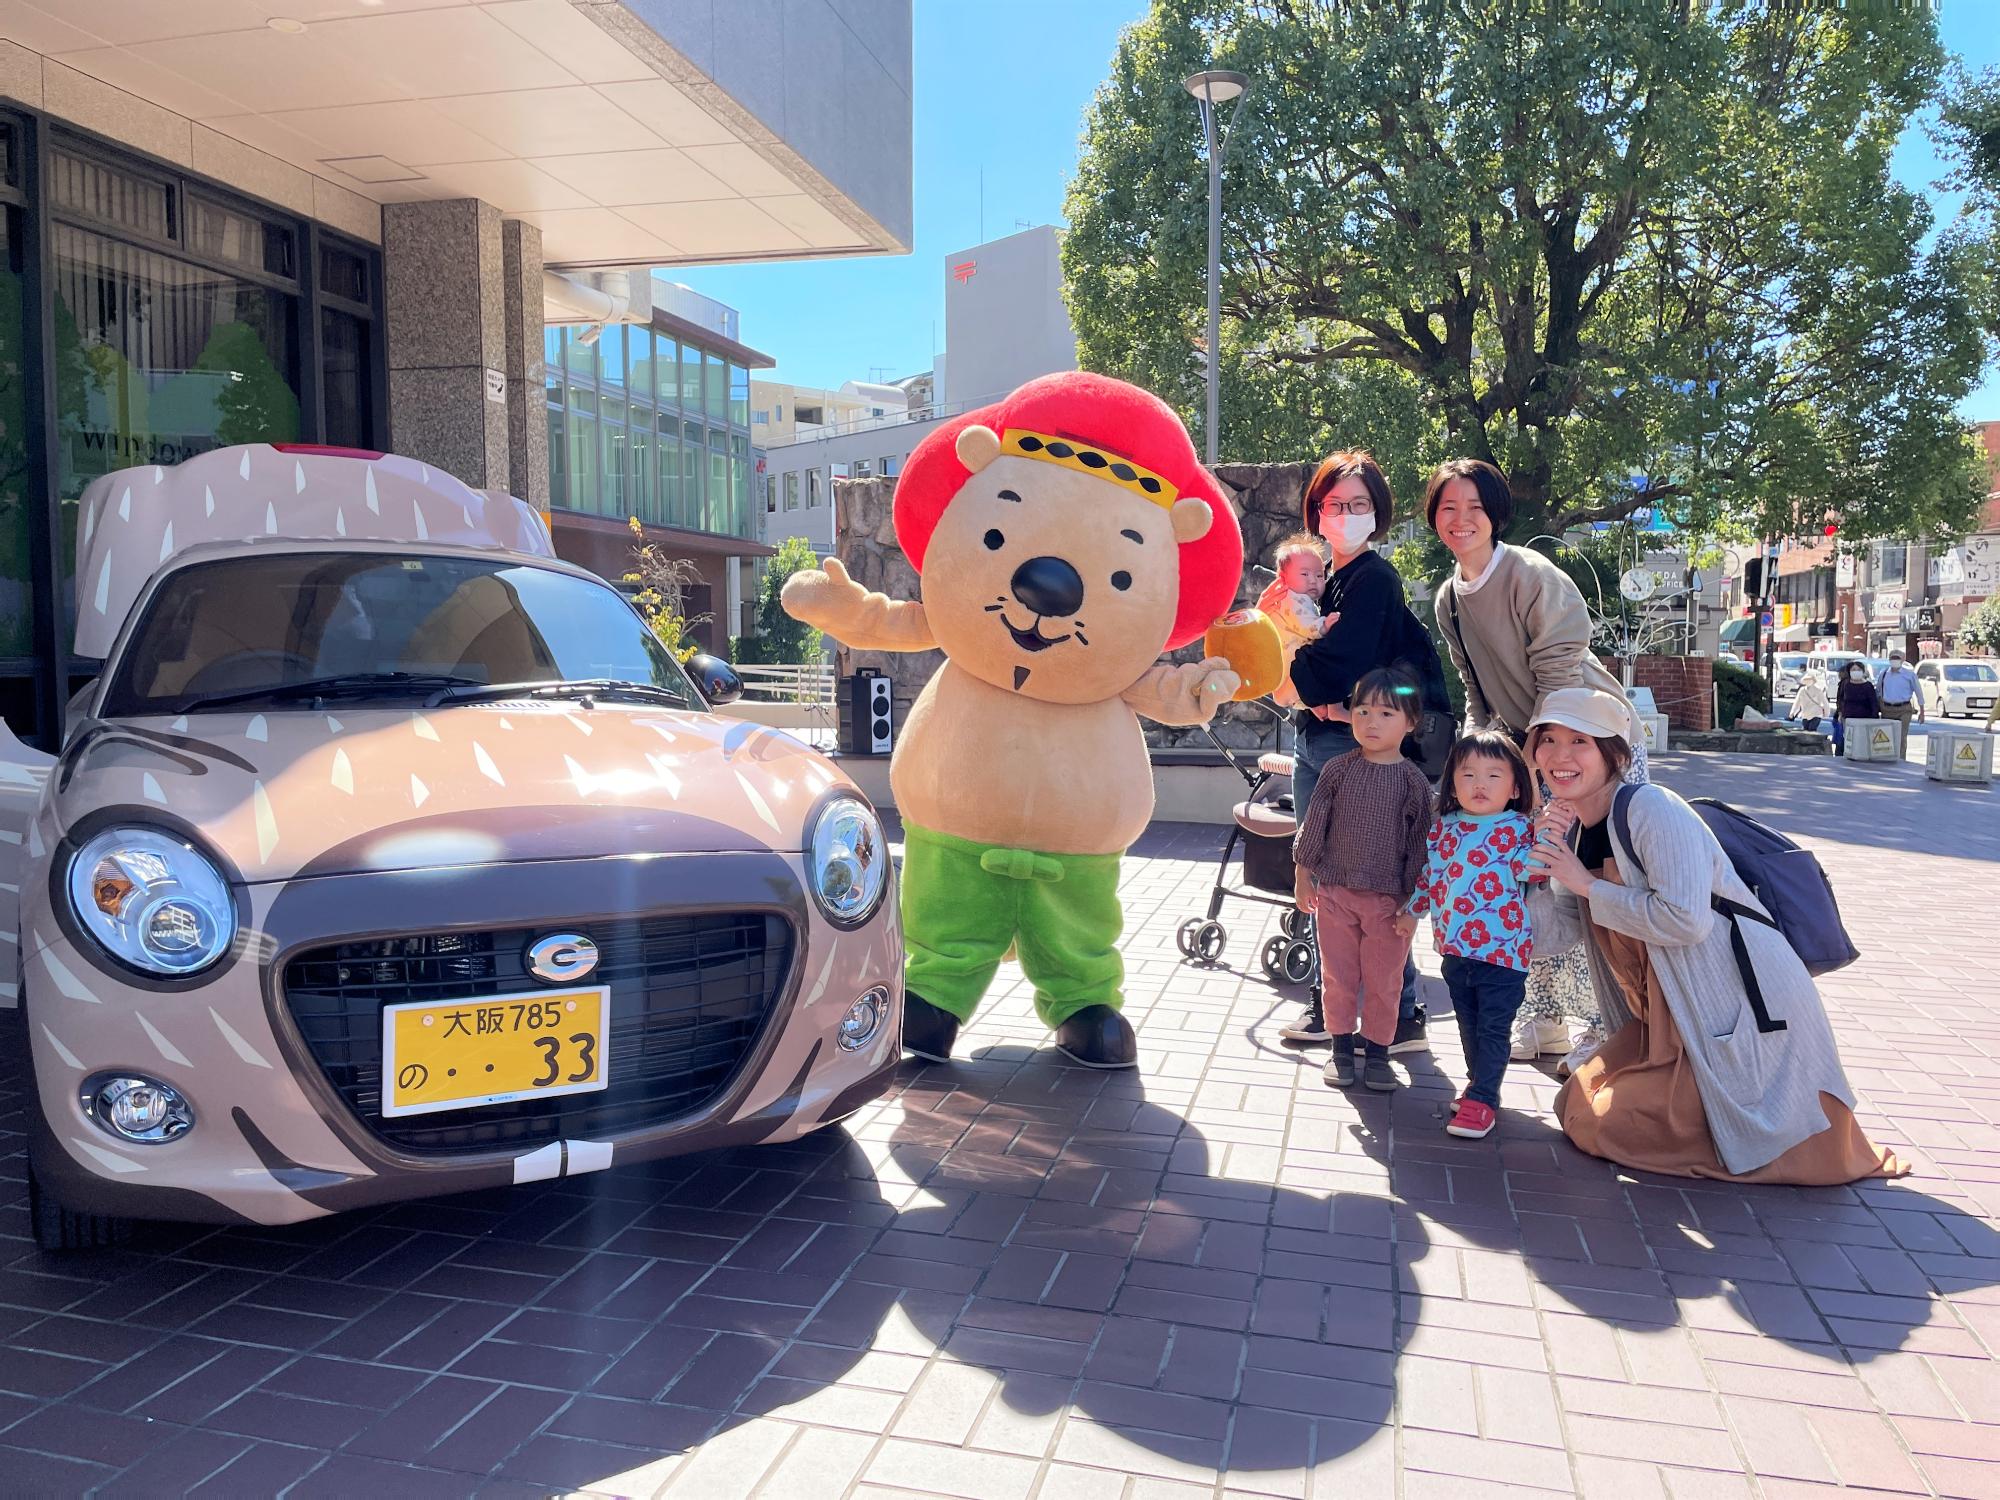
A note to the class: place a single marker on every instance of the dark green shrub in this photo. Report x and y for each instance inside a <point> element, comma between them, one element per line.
<point>1738,688</point>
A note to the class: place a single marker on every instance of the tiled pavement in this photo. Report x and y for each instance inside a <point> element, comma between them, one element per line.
<point>1218,1277</point>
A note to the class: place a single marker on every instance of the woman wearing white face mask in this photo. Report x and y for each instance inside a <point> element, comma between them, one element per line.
<point>1348,505</point>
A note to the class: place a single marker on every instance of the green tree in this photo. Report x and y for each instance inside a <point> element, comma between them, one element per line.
<point>780,639</point>
<point>1981,630</point>
<point>1584,239</point>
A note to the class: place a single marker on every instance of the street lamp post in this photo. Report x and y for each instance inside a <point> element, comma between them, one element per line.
<point>1210,88</point>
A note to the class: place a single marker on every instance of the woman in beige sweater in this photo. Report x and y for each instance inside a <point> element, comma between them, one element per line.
<point>1517,630</point>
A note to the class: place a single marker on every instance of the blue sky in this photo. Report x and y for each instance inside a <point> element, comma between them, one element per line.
<point>994,96</point>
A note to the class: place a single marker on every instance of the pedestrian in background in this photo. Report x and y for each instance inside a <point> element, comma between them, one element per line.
<point>1857,699</point>
<point>1900,693</point>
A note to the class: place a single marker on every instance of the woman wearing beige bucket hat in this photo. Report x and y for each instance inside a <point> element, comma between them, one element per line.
<point>1699,1078</point>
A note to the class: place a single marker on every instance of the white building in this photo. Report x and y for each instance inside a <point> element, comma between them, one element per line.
<point>1005,323</point>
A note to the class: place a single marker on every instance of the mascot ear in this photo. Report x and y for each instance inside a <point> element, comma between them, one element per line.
<point>1192,518</point>
<point>978,446</point>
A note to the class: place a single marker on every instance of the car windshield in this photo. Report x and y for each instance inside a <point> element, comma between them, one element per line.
<point>1970,672</point>
<point>297,626</point>
<point>1791,661</point>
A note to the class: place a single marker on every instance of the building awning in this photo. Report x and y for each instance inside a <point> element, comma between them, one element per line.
<point>1740,631</point>
<point>1787,635</point>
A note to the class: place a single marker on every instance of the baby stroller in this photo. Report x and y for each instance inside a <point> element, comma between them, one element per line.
<point>1263,824</point>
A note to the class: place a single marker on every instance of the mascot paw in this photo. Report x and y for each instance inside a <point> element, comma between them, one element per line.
<point>927,1031</point>
<point>824,598</point>
<point>1205,686</point>
<point>1098,1037</point>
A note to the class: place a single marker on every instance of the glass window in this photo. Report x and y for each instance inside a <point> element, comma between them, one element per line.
<point>694,502</point>
<point>739,396</point>
<point>812,488</point>
<point>690,366</point>
<point>582,462</point>
<point>224,234</point>
<point>791,492</point>
<point>639,363</point>
<point>17,634</point>
<point>639,467</point>
<point>669,430</point>
<point>715,386</point>
<point>260,623</point>
<point>157,360</point>
<point>345,363</point>
<point>611,494</point>
<point>552,356</point>
<point>342,273</point>
<point>666,370</point>
<point>115,197</point>
<point>1891,562</point>
<point>864,468</point>
<point>581,358</point>
<point>770,494</point>
<point>611,355</point>
<point>558,460</point>
<point>889,467</point>
<point>739,496</point>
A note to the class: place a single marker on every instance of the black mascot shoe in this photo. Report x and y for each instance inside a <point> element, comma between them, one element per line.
<point>1098,1037</point>
<point>927,1031</point>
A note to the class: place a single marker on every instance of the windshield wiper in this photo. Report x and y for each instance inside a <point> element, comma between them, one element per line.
<point>581,687</point>
<point>341,685</point>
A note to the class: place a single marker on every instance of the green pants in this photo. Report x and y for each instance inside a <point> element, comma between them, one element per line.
<point>963,903</point>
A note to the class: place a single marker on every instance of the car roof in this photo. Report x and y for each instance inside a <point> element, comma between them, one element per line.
<point>134,521</point>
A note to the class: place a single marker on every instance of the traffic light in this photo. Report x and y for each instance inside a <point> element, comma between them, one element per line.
<point>1753,578</point>
<point>1831,529</point>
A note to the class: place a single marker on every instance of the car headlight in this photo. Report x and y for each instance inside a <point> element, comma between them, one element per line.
<point>151,901</point>
<point>847,863</point>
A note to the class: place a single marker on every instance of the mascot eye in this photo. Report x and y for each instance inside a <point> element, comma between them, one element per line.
<point>1121,579</point>
<point>995,541</point>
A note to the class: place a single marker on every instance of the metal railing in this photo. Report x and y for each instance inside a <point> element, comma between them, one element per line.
<point>803,684</point>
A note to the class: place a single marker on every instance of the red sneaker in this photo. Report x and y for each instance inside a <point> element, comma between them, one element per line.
<point>1473,1120</point>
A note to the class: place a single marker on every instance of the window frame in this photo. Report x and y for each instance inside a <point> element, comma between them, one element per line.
<point>36,137</point>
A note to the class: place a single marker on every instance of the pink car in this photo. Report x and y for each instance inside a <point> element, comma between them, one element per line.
<point>390,856</point>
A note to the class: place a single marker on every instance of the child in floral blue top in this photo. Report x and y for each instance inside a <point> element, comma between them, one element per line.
<point>1471,887</point>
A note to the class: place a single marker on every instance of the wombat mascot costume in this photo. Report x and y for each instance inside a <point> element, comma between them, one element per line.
<point>1064,538</point>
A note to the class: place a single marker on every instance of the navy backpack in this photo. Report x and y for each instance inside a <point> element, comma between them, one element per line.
<point>1786,879</point>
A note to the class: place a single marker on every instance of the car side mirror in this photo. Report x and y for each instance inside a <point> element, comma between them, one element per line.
<point>717,680</point>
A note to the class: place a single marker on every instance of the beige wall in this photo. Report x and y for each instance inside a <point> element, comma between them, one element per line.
<point>91,104</point>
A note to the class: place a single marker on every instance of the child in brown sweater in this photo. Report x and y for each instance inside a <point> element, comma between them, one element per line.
<point>1361,845</point>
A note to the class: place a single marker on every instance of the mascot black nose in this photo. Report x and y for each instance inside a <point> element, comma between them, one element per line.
<point>1048,586</point>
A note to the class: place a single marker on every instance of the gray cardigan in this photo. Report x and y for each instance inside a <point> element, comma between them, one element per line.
<point>1760,1089</point>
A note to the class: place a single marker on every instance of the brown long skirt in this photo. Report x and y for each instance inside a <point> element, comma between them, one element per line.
<point>1636,1101</point>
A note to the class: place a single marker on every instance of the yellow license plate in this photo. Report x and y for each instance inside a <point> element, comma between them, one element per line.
<point>460,1054</point>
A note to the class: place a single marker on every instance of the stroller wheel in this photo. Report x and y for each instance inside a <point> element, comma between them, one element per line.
<point>1299,962</point>
<point>1209,939</point>
<point>1290,920</point>
<point>1273,957</point>
<point>1184,939</point>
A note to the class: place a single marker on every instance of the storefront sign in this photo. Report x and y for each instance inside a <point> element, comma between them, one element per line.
<point>1981,560</point>
<point>1887,608</point>
<point>1843,571</point>
<point>1922,619</point>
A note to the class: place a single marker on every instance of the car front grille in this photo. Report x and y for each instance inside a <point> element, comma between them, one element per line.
<point>690,994</point>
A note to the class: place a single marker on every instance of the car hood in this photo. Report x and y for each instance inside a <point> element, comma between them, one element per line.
<point>288,794</point>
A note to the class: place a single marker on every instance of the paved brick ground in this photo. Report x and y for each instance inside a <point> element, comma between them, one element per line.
<point>1219,1277</point>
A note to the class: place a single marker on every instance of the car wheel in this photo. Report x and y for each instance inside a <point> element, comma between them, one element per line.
<point>59,1229</point>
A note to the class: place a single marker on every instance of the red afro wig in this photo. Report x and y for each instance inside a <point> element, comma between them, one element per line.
<point>1095,411</point>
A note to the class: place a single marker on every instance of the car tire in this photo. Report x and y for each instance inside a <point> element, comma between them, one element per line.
<point>60,1230</point>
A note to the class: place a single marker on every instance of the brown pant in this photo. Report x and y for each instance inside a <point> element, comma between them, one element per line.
<point>1902,713</point>
<point>1360,961</point>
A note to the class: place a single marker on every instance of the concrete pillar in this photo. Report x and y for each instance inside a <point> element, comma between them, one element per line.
<point>527,411</point>
<point>443,279</point>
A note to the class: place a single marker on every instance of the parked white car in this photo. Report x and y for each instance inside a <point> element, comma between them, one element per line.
<point>1957,685</point>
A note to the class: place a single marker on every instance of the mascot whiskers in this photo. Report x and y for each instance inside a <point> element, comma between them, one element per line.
<point>1065,538</point>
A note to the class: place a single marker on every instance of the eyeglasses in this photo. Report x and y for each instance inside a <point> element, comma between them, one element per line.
<point>1362,507</point>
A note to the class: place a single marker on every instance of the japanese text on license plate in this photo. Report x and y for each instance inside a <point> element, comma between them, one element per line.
<point>460,1054</point>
